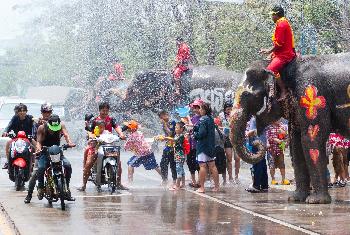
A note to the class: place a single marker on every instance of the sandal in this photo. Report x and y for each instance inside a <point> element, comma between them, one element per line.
<point>215,190</point>
<point>200,191</point>
<point>81,189</point>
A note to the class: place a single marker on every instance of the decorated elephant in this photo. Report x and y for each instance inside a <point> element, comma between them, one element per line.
<point>153,90</point>
<point>318,103</point>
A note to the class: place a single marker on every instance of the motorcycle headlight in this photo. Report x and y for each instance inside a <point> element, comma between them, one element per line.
<point>111,150</point>
<point>55,158</point>
<point>20,146</point>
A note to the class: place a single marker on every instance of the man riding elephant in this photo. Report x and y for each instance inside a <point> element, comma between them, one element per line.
<point>318,104</point>
<point>283,50</point>
<point>182,71</point>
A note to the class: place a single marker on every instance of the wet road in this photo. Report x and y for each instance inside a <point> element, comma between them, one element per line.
<point>148,208</point>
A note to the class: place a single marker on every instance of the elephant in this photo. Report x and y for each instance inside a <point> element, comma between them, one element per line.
<point>153,90</point>
<point>318,103</point>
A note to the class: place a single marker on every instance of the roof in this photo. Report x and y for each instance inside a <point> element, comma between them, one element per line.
<point>52,94</point>
<point>10,100</point>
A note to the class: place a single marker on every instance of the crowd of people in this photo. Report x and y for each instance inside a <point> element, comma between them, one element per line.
<point>202,141</point>
<point>195,136</point>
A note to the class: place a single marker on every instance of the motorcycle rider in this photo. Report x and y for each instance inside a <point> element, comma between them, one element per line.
<point>110,124</point>
<point>91,156</point>
<point>46,111</point>
<point>49,134</point>
<point>21,121</point>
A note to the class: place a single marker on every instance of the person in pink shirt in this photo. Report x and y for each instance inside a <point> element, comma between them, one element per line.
<point>143,154</point>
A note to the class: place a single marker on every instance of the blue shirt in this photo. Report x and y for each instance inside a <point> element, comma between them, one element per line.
<point>252,126</point>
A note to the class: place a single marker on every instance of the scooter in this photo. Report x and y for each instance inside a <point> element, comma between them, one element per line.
<point>109,151</point>
<point>20,159</point>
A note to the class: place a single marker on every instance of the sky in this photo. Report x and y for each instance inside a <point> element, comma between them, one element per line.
<point>11,20</point>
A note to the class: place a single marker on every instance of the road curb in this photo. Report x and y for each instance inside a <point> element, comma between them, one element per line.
<point>7,225</point>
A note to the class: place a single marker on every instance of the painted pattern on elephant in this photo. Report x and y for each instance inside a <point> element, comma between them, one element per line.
<point>313,131</point>
<point>312,102</point>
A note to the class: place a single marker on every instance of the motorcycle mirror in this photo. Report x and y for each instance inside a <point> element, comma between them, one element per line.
<point>88,117</point>
<point>124,128</point>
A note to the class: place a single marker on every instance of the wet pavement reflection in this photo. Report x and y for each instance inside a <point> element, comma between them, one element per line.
<point>149,208</point>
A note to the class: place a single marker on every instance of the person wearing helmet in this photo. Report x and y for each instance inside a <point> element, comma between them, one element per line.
<point>283,50</point>
<point>50,134</point>
<point>46,111</point>
<point>21,121</point>
<point>225,126</point>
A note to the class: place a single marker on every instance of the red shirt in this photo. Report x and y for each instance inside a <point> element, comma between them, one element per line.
<point>183,54</point>
<point>118,72</point>
<point>119,69</point>
<point>273,132</point>
<point>110,123</point>
<point>283,40</point>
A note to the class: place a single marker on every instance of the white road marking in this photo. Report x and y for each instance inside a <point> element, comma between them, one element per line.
<point>277,221</point>
<point>107,195</point>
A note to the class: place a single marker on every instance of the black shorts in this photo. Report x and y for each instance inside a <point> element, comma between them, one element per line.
<point>227,143</point>
<point>220,160</point>
<point>192,163</point>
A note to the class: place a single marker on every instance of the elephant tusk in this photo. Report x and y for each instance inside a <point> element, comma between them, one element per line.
<point>263,108</point>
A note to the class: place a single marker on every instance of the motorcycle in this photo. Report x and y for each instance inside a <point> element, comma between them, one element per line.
<point>109,151</point>
<point>55,186</point>
<point>20,159</point>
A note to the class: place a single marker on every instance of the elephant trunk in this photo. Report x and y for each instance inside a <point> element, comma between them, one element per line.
<point>238,138</point>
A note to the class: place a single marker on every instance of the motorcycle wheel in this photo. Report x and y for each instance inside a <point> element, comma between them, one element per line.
<point>19,179</point>
<point>61,192</point>
<point>112,177</point>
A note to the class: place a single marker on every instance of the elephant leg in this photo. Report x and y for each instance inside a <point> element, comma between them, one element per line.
<point>301,173</point>
<point>316,159</point>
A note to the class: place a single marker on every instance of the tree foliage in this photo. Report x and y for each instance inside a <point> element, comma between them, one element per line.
<point>77,40</point>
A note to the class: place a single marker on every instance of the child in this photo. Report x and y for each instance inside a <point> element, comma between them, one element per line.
<point>168,151</point>
<point>220,156</point>
<point>224,117</point>
<point>276,139</point>
<point>339,147</point>
<point>137,144</point>
<point>258,170</point>
<point>90,153</point>
<point>179,155</point>
<point>192,163</point>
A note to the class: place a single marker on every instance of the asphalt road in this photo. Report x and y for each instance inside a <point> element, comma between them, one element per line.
<point>148,208</point>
